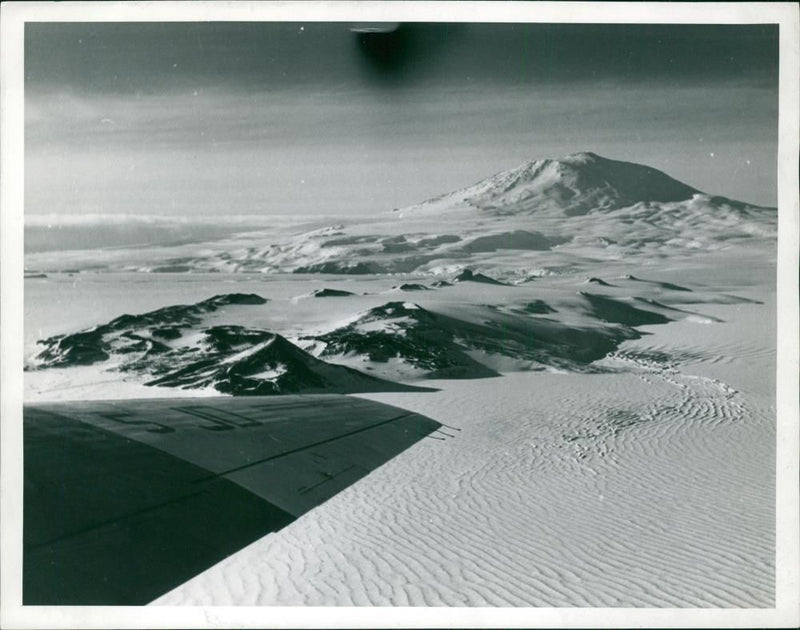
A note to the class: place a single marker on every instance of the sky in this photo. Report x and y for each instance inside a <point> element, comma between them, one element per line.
<point>217,119</point>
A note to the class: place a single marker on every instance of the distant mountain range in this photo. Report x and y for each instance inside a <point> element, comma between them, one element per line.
<point>579,204</point>
<point>567,205</point>
<point>174,347</point>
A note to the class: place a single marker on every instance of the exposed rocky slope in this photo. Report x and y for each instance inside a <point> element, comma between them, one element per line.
<point>170,347</point>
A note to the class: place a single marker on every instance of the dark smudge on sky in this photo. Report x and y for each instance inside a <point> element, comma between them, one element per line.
<point>394,57</point>
<point>124,57</point>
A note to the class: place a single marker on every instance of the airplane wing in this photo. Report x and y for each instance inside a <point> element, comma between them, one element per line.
<point>125,500</point>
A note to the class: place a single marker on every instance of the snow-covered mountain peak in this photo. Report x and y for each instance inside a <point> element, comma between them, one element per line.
<point>573,185</point>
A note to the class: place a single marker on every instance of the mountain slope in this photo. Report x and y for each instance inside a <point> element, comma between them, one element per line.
<point>169,347</point>
<point>573,185</point>
<point>405,341</point>
<point>541,209</point>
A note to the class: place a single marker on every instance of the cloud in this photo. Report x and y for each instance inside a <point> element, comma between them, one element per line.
<point>56,220</point>
<point>335,151</point>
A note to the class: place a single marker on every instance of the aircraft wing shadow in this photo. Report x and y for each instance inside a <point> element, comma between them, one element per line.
<point>125,500</point>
